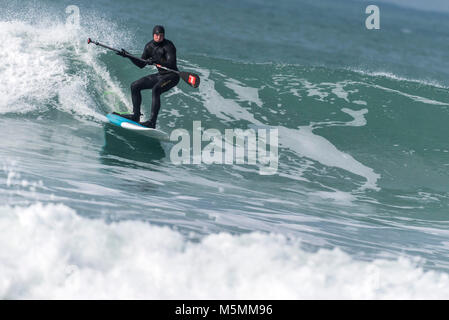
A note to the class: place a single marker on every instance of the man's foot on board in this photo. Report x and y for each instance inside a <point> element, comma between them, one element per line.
<point>148,124</point>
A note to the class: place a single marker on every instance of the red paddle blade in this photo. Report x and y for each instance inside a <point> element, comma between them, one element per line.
<point>191,78</point>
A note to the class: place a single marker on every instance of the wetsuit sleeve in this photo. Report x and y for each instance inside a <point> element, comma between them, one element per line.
<point>170,57</point>
<point>145,55</point>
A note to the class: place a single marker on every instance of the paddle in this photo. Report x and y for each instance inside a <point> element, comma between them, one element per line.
<point>190,78</point>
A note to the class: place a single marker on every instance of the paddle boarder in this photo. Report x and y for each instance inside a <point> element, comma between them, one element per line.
<point>161,52</point>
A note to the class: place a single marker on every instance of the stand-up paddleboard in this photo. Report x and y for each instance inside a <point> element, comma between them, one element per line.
<point>138,128</point>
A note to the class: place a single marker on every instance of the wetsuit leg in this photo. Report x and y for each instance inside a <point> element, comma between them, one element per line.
<point>165,83</point>
<point>137,86</point>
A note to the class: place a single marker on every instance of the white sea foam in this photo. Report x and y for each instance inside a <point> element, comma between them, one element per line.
<point>37,69</point>
<point>301,141</point>
<point>244,93</point>
<point>413,97</point>
<point>50,252</point>
<point>314,90</point>
<point>393,76</point>
<point>339,197</point>
<point>28,71</point>
<point>307,144</point>
<point>358,115</point>
<point>226,109</point>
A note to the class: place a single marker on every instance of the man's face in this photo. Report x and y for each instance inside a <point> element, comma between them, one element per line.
<point>158,37</point>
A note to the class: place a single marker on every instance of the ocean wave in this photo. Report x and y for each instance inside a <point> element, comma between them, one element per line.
<point>49,252</point>
<point>48,66</point>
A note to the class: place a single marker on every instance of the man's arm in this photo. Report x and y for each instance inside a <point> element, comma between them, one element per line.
<point>170,54</point>
<point>145,56</point>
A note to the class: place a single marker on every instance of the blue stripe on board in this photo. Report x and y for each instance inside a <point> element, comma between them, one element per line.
<point>118,120</point>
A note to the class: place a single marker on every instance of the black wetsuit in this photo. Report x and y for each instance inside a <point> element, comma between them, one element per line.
<point>163,53</point>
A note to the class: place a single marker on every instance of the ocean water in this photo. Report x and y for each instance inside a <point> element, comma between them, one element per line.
<point>358,206</point>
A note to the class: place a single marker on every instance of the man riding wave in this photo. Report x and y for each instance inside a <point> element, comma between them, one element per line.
<point>159,51</point>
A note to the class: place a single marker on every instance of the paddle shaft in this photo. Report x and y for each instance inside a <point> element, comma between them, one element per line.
<point>129,55</point>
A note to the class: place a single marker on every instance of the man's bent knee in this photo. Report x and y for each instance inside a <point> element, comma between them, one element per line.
<point>135,86</point>
<point>157,90</point>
